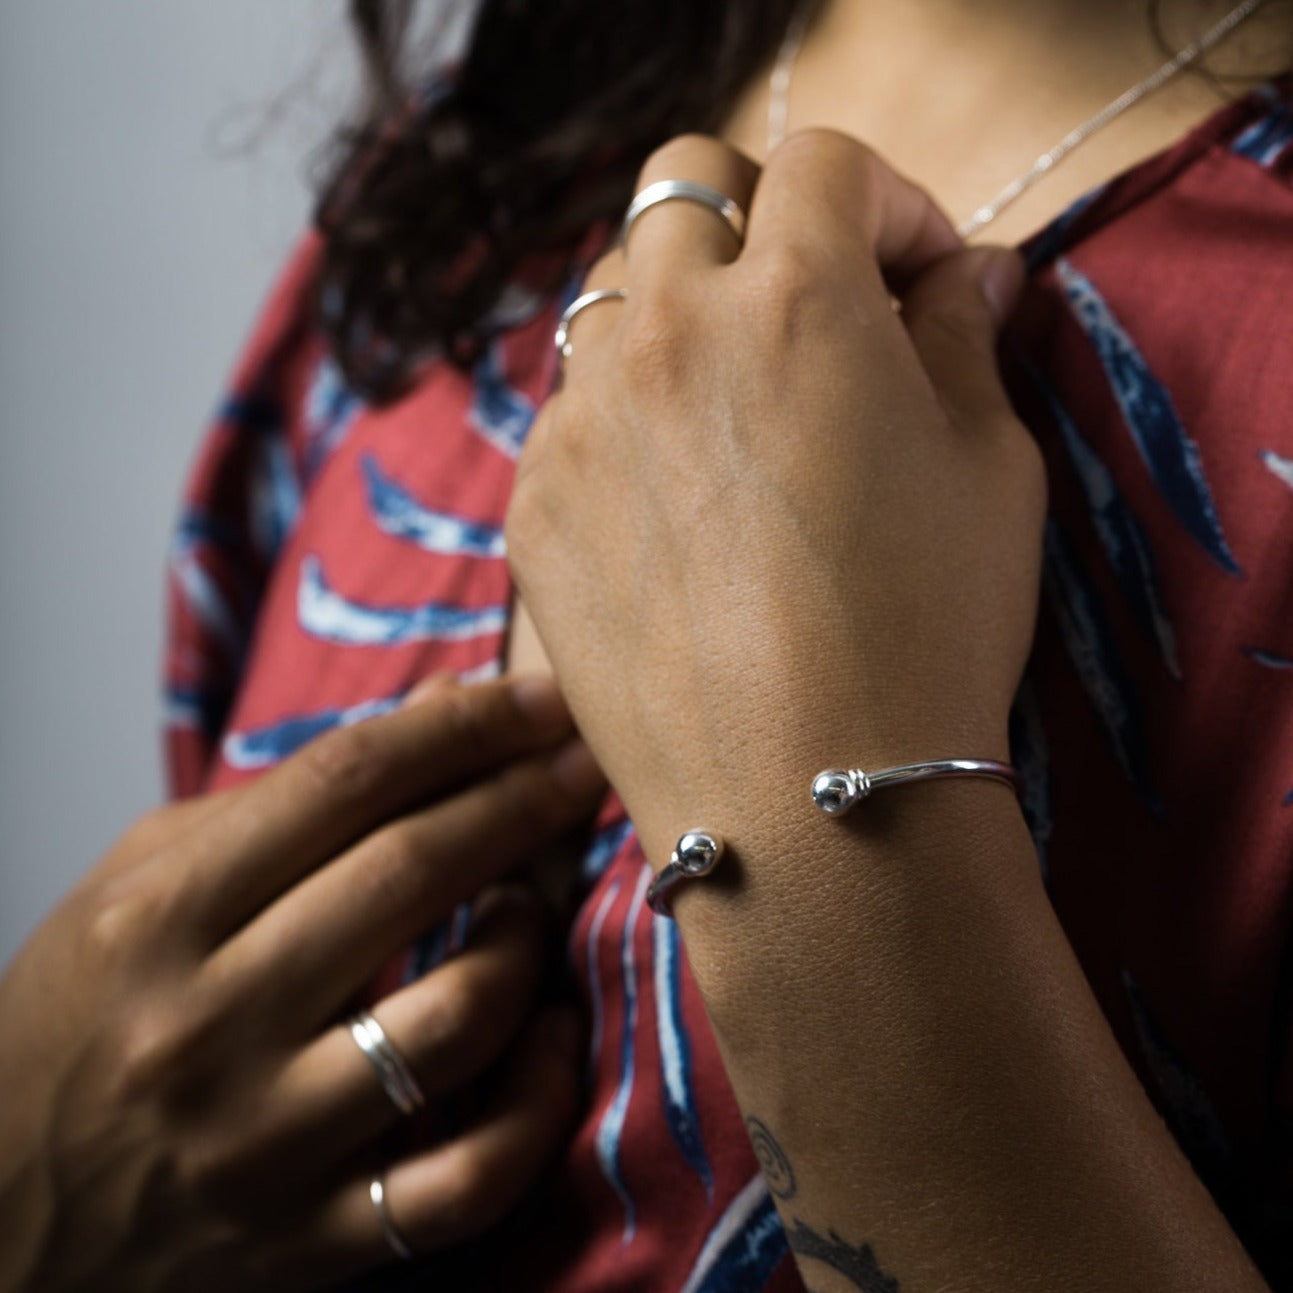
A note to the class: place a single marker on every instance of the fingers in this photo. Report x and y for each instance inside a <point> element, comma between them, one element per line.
<point>597,324</point>
<point>953,314</point>
<point>307,954</point>
<point>463,1187</point>
<point>350,781</point>
<point>681,235</point>
<point>828,197</point>
<point>669,241</point>
<point>449,1026</point>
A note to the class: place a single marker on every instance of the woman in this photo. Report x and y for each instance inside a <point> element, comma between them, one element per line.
<point>768,525</point>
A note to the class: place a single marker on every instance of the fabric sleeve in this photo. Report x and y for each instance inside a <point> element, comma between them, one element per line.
<point>236,510</point>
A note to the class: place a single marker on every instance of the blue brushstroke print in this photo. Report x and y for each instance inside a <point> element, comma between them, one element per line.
<point>1269,659</point>
<point>396,512</point>
<point>1172,457</point>
<point>274,490</point>
<point>438,944</point>
<point>610,1131</point>
<point>744,1248</point>
<point>501,414</point>
<point>202,710</point>
<point>1267,138</point>
<point>1118,530</point>
<point>263,746</point>
<point>675,1052</point>
<point>1089,641</point>
<point>275,496</point>
<point>204,596</point>
<point>1280,468</point>
<point>325,614</point>
<point>604,849</point>
<point>1044,246</point>
<point>331,408</point>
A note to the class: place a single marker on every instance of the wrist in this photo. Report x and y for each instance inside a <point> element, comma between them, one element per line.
<point>802,901</point>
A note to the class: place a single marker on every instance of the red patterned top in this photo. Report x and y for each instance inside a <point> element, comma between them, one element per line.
<point>330,554</point>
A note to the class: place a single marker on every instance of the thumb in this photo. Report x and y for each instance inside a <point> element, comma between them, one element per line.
<point>954,313</point>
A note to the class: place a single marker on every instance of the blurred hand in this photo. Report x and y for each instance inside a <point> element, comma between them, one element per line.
<point>181,1107</point>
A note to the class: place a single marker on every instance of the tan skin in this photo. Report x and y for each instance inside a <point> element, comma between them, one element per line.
<point>182,1108</point>
<point>767,525</point>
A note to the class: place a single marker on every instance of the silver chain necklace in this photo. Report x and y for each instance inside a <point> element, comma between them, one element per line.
<point>783,72</point>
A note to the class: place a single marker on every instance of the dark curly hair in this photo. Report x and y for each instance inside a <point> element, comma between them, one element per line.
<point>457,182</point>
<point>443,192</point>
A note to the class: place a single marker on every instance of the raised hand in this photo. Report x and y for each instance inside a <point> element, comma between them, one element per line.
<point>769,524</point>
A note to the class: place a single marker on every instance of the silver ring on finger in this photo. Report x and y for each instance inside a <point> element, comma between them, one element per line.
<point>391,1067</point>
<point>577,306</point>
<point>395,1241</point>
<point>685,191</point>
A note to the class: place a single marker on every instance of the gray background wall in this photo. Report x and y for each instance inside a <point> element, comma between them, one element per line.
<point>152,164</point>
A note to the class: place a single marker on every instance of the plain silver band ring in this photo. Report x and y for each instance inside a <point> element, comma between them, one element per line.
<point>577,306</point>
<point>686,191</point>
<point>390,1066</point>
<point>398,1244</point>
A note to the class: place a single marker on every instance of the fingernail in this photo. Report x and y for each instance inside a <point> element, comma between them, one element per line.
<point>1001,279</point>
<point>574,767</point>
<point>540,700</point>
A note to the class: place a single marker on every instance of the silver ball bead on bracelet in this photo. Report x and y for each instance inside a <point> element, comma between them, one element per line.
<point>837,790</point>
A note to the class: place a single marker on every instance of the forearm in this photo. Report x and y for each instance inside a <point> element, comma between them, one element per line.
<point>900,1012</point>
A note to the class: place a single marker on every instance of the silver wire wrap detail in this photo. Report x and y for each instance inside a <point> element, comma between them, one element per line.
<point>390,1066</point>
<point>839,790</point>
<point>398,1244</point>
<point>696,855</point>
<point>685,191</point>
<point>577,306</point>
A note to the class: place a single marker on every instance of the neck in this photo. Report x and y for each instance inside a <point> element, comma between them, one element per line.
<point>963,94</point>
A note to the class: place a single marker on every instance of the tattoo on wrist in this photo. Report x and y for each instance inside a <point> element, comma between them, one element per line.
<point>773,1160</point>
<point>856,1262</point>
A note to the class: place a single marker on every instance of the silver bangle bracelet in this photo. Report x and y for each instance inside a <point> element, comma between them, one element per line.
<point>836,792</point>
<point>697,854</point>
<point>839,790</point>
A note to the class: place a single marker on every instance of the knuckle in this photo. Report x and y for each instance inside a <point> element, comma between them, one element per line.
<point>394,874</point>
<point>673,157</point>
<point>149,1053</point>
<point>608,270</point>
<point>831,151</point>
<point>789,287</point>
<point>123,919</point>
<point>474,717</point>
<point>509,912</point>
<point>656,345</point>
<point>448,1014</point>
<point>542,802</point>
<point>347,765</point>
<point>479,1196</point>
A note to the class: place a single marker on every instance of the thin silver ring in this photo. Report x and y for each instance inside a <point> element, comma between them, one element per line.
<point>686,191</point>
<point>390,1066</point>
<point>577,306</point>
<point>398,1244</point>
